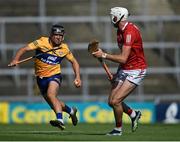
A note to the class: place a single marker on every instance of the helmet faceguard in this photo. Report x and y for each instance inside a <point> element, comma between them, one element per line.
<point>118,14</point>
<point>57,30</point>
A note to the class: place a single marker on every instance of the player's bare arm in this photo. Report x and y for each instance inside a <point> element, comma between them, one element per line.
<point>18,55</point>
<point>119,58</point>
<point>76,68</point>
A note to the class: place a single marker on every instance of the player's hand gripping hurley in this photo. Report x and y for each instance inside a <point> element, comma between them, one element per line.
<point>93,47</point>
<point>32,57</point>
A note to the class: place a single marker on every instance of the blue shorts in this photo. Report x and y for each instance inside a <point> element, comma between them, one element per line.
<point>43,82</point>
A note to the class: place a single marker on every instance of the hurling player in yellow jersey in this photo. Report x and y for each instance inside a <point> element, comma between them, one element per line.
<point>48,71</point>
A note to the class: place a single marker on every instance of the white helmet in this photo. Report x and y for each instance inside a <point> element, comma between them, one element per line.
<point>118,14</point>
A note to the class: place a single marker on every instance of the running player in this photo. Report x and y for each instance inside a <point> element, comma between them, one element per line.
<point>48,71</point>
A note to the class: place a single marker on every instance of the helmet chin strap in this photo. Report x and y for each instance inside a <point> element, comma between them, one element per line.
<point>121,18</point>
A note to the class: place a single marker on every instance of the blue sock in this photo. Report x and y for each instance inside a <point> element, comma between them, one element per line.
<point>67,109</point>
<point>59,115</point>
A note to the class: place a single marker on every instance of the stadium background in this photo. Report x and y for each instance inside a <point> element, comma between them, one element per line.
<point>23,21</point>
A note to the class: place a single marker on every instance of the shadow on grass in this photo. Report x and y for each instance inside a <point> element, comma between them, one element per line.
<point>53,133</point>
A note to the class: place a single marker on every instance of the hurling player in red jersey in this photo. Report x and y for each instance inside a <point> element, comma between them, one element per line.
<point>131,70</point>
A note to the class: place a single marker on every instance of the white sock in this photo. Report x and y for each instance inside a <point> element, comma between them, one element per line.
<point>72,111</point>
<point>118,128</point>
<point>60,120</point>
<point>133,114</point>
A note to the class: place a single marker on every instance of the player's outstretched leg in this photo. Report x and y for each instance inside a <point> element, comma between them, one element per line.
<point>73,116</point>
<point>135,121</point>
<point>57,123</point>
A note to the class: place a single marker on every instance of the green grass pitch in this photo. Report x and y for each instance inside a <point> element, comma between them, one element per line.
<point>87,132</point>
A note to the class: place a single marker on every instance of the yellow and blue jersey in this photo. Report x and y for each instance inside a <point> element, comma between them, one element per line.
<point>49,64</point>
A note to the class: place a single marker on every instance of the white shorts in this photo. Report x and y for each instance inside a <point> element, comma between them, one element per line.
<point>135,76</point>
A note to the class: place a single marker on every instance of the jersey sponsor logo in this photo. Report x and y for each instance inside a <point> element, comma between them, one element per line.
<point>49,61</point>
<point>52,58</point>
<point>128,38</point>
<point>49,58</point>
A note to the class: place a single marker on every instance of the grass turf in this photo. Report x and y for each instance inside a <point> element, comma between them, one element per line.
<point>87,132</point>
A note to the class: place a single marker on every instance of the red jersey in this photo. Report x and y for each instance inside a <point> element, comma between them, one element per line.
<point>130,36</point>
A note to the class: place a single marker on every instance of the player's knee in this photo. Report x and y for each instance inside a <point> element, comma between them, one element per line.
<point>113,103</point>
